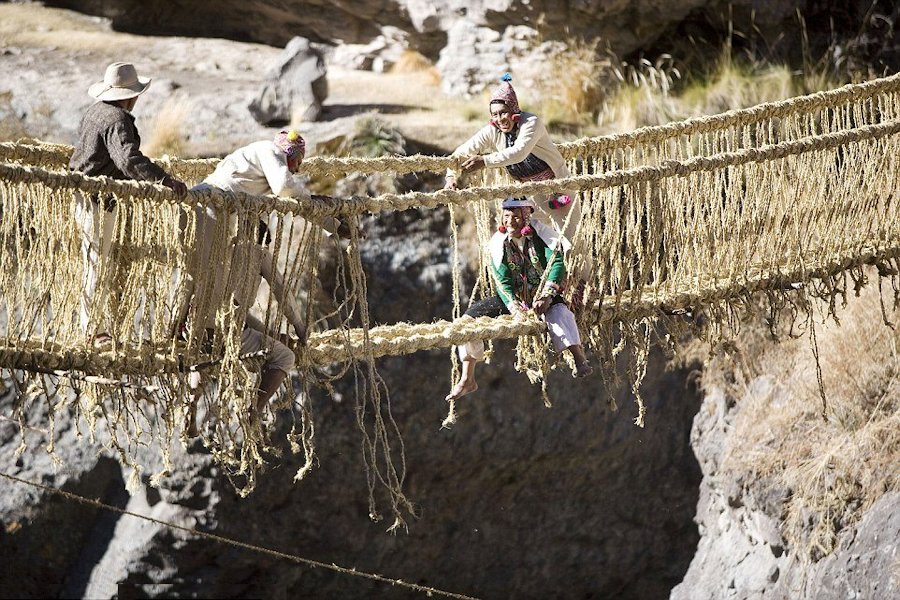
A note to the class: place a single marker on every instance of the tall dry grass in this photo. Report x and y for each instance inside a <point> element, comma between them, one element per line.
<point>832,468</point>
<point>592,91</point>
<point>167,134</point>
<point>411,61</point>
<point>571,86</point>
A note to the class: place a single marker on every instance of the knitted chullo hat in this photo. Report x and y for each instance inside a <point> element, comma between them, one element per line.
<point>506,94</point>
<point>519,202</point>
<point>291,143</point>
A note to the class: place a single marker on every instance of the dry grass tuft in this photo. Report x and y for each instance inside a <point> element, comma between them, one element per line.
<point>740,84</point>
<point>372,138</point>
<point>571,87</point>
<point>167,133</point>
<point>414,62</point>
<point>834,468</point>
<point>411,61</point>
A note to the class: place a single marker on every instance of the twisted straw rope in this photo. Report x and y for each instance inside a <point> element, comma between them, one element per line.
<point>734,118</point>
<point>335,346</point>
<point>57,155</point>
<point>315,564</point>
<point>356,205</point>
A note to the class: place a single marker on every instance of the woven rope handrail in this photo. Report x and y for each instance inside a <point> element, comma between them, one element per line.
<point>320,166</point>
<point>317,209</point>
<point>733,118</point>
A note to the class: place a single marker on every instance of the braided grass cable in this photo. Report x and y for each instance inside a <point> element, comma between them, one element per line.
<point>317,209</point>
<point>847,94</point>
<point>56,156</point>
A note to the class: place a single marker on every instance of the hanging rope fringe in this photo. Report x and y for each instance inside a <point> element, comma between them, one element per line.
<point>776,204</point>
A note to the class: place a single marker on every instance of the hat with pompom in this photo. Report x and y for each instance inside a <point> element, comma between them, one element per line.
<point>521,201</point>
<point>291,143</point>
<point>506,94</point>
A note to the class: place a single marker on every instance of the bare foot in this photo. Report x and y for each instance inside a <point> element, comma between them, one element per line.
<point>462,388</point>
<point>583,369</point>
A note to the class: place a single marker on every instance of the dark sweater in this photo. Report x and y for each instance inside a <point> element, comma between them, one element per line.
<point>109,145</point>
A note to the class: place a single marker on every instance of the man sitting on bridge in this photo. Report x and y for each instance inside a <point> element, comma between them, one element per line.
<point>520,252</point>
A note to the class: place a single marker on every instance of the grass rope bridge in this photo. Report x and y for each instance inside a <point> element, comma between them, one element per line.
<point>773,205</point>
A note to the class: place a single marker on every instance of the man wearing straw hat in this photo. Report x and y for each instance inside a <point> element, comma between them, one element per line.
<point>109,145</point>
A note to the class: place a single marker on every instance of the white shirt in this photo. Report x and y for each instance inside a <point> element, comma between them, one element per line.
<point>258,169</point>
<point>532,139</point>
<point>241,275</point>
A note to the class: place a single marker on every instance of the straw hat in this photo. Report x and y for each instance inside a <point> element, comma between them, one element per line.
<point>120,82</point>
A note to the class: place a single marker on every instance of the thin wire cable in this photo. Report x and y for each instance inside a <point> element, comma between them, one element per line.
<point>224,540</point>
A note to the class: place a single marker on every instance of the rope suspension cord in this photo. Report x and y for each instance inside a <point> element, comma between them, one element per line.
<point>734,118</point>
<point>57,155</point>
<point>228,541</point>
<point>317,209</point>
<point>335,346</point>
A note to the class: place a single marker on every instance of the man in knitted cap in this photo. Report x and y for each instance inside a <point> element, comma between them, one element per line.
<point>267,167</point>
<point>521,251</point>
<point>109,145</point>
<point>519,142</point>
<point>261,168</point>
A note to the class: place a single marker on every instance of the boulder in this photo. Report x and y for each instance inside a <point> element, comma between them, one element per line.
<point>379,55</point>
<point>294,89</point>
<point>473,57</point>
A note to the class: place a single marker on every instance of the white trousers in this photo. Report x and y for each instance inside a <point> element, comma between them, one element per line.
<point>560,324</point>
<point>97,227</point>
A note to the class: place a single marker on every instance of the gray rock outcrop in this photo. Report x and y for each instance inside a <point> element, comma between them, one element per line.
<point>439,29</point>
<point>295,88</point>
<point>742,555</point>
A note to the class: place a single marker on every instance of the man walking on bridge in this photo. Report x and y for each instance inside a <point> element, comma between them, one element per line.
<point>109,145</point>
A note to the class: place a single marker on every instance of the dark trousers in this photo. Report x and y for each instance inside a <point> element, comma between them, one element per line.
<point>494,307</point>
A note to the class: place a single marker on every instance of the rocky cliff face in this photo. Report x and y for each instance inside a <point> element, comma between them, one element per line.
<point>742,553</point>
<point>516,500</point>
<point>473,42</point>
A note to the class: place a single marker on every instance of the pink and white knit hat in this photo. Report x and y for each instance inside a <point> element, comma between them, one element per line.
<point>291,143</point>
<point>506,94</point>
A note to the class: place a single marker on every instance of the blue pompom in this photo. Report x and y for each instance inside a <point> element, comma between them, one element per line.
<point>506,77</point>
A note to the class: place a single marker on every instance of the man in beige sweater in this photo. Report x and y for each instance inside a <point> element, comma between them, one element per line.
<point>519,142</point>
